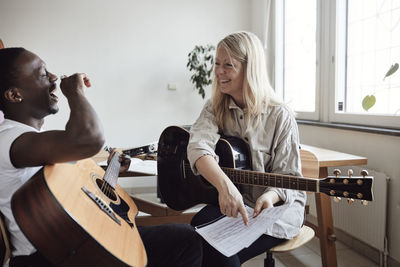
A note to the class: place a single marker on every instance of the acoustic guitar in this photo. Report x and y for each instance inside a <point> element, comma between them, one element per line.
<point>180,189</point>
<point>75,214</point>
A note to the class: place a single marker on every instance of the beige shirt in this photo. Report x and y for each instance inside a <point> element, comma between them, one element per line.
<point>274,147</point>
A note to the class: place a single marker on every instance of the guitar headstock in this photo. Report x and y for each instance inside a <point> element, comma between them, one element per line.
<point>351,187</point>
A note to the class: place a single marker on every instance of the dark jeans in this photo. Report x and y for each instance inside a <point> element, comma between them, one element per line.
<point>166,245</point>
<point>34,260</point>
<point>174,244</point>
<point>212,257</point>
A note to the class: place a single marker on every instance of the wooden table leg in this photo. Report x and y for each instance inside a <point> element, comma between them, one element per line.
<point>325,226</point>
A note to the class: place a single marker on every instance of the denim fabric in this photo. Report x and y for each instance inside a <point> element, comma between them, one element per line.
<point>174,245</point>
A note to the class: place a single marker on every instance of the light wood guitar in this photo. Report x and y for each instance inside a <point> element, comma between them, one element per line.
<point>75,214</point>
<point>180,189</point>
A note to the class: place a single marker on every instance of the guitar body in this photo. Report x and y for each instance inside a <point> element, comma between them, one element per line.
<point>180,189</point>
<point>68,227</point>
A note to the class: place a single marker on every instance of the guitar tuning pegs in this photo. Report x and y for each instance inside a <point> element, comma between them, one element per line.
<point>364,173</point>
<point>350,172</point>
<point>350,201</point>
<point>364,202</point>
<point>336,172</point>
<point>337,199</point>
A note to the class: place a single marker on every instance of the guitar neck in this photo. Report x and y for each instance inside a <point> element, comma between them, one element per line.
<point>357,187</point>
<point>112,171</point>
<point>262,179</point>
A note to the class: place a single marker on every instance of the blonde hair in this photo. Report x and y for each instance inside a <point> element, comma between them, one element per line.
<point>257,91</point>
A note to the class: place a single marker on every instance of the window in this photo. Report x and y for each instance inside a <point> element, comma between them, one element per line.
<point>339,60</point>
<point>296,43</point>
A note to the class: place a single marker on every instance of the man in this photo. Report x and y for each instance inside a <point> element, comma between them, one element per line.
<point>26,97</point>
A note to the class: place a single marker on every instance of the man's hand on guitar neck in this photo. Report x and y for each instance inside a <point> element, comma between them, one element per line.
<point>123,159</point>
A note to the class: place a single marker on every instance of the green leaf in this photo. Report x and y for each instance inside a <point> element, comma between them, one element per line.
<point>201,63</point>
<point>368,102</point>
<point>392,70</point>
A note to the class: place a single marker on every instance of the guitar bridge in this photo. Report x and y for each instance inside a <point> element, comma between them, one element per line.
<point>102,205</point>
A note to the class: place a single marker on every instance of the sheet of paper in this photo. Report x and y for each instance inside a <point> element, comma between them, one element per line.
<point>138,165</point>
<point>143,166</point>
<point>229,235</point>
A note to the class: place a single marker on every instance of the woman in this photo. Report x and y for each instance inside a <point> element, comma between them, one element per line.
<point>244,105</point>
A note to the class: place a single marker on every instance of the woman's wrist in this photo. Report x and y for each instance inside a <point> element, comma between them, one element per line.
<point>272,196</point>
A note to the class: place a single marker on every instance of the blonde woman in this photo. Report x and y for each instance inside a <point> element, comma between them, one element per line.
<point>244,105</point>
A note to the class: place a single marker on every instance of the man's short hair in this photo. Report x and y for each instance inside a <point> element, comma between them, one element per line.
<point>8,72</point>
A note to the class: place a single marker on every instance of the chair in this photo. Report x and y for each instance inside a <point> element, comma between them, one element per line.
<point>305,235</point>
<point>5,250</point>
<point>310,168</point>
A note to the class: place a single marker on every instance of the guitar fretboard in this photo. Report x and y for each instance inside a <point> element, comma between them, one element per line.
<point>271,180</point>
<point>248,177</point>
<point>112,172</point>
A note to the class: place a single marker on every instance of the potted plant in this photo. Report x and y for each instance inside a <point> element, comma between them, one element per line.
<point>201,63</point>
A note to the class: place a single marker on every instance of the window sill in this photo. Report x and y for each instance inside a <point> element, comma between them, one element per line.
<point>352,127</point>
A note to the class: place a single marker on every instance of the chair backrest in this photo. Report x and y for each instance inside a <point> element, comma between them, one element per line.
<point>309,164</point>
<point>5,250</point>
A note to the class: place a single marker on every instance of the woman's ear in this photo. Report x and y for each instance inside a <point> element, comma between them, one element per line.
<point>13,95</point>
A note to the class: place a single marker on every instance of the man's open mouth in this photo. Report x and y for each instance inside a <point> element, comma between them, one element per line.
<point>52,91</point>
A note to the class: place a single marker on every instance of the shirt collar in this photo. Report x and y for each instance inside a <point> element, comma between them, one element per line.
<point>233,105</point>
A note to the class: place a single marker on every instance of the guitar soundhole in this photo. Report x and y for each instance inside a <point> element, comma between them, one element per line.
<point>106,189</point>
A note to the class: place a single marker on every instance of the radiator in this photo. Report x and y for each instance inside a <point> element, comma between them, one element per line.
<point>366,223</point>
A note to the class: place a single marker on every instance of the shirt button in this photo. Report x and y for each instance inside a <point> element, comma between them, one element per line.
<point>241,117</point>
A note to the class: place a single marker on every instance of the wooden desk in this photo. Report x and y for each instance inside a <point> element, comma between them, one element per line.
<point>325,230</point>
<point>159,213</point>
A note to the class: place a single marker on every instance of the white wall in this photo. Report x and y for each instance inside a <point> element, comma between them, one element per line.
<point>383,153</point>
<point>131,50</point>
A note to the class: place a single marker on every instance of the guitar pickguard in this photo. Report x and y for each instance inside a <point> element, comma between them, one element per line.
<point>110,196</point>
<point>122,210</point>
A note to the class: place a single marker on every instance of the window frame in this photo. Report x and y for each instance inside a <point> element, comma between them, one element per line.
<point>329,56</point>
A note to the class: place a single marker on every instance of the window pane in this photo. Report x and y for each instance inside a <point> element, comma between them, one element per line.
<point>300,54</point>
<point>373,46</point>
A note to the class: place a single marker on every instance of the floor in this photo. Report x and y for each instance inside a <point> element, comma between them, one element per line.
<point>309,256</point>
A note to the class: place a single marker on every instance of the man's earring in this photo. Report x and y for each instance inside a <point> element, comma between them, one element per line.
<point>19,99</point>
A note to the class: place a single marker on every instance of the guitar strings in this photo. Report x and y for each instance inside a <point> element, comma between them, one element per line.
<point>253,177</point>
<point>112,171</point>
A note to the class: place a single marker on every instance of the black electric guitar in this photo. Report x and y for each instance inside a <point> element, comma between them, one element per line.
<point>181,189</point>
